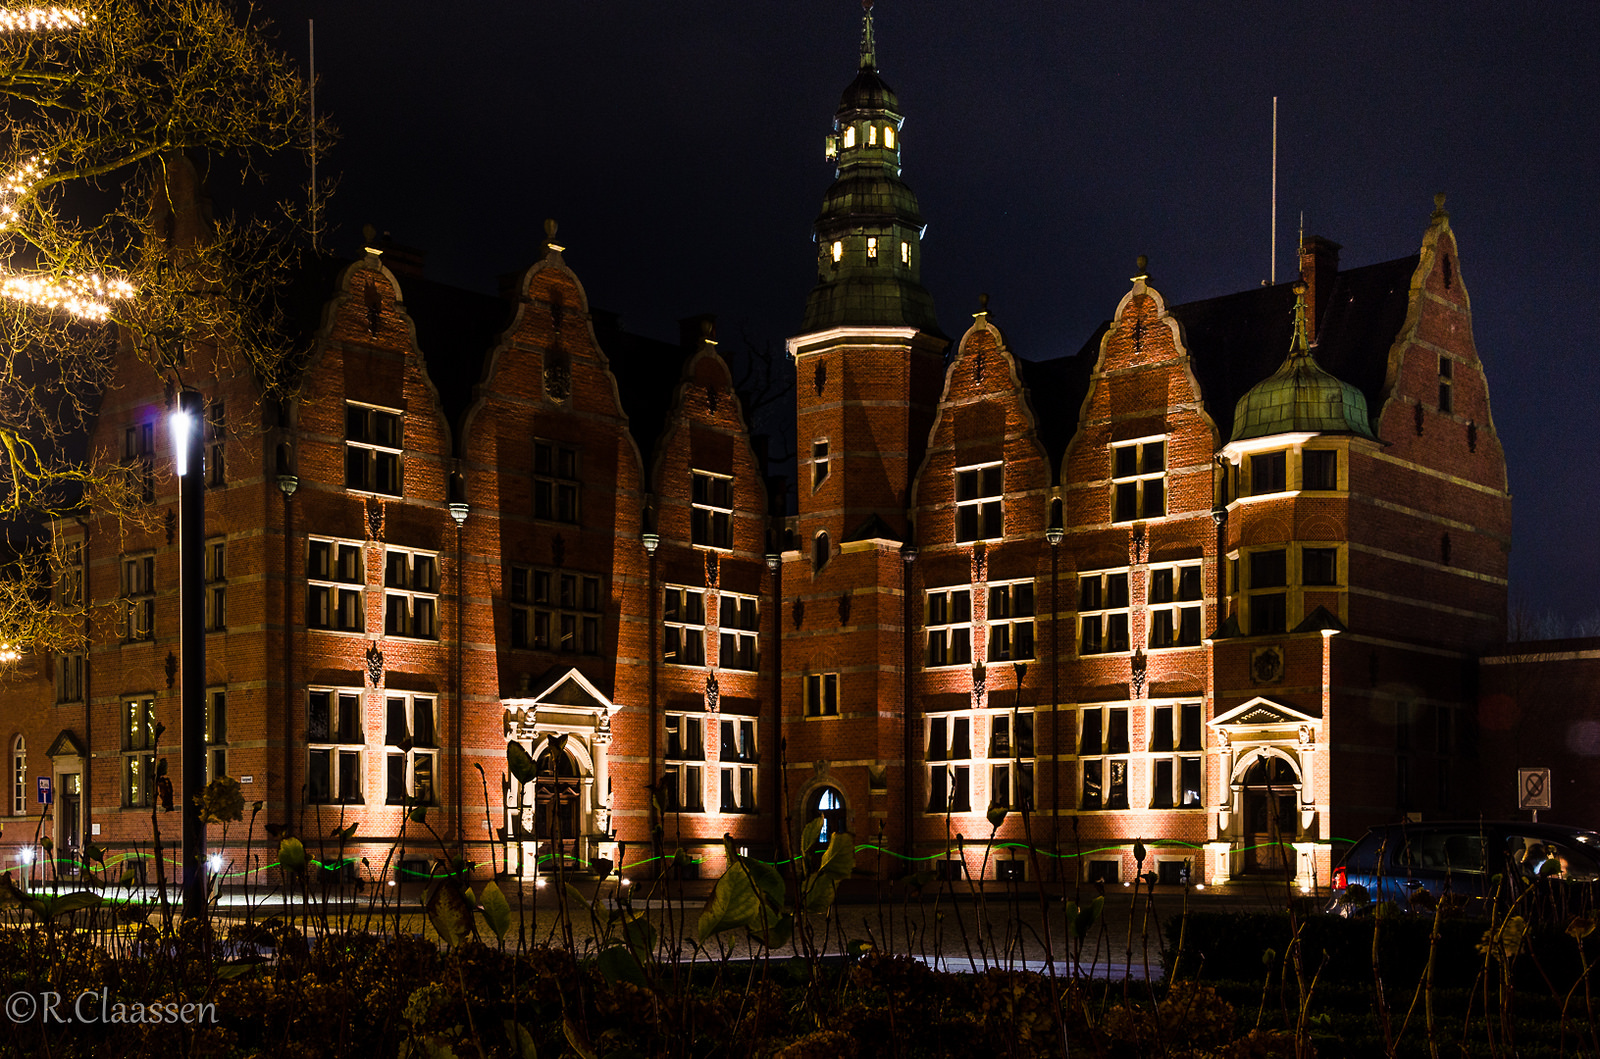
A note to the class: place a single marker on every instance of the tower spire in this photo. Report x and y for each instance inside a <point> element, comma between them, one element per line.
<point>869,41</point>
<point>1300,344</point>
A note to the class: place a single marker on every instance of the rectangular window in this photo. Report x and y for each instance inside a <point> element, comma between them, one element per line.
<point>950,789</point>
<point>1319,469</point>
<point>1175,605</point>
<point>411,594</point>
<point>69,677</point>
<point>216,616</point>
<point>69,577</point>
<point>555,610</point>
<point>372,450</point>
<point>950,627</point>
<point>1103,612</point>
<point>1139,480</point>
<point>711,517</point>
<point>685,737</point>
<point>684,619</point>
<point>738,789</point>
<point>822,695</point>
<point>740,618</point>
<point>335,586</point>
<point>410,748</point>
<point>1011,756</point>
<point>1446,382</point>
<point>1267,473</point>
<point>684,789</point>
<point>872,247</point>
<point>1175,781</point>
<point>216,733</point>
<point>1319,566</point>
<point>138,597</point>
<point>1105,779</point>
<point>138,761</point>
<point>979,499</point>
<point>139,456</point>
<point>819,464</point>
<point>334,768</point>
<point>216,445</point>
<point>1268,599</point>
<point>556,484</point>
<point>738,739</point>
<point>1011,621</point>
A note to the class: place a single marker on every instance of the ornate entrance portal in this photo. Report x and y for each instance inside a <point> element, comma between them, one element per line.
<point>563,814</point>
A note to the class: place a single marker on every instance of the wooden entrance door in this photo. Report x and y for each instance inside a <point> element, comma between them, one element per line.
<point>1271,818</point>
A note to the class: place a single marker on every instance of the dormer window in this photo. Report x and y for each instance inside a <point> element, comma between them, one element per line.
<point>850,136</point>
<point>888,136</point>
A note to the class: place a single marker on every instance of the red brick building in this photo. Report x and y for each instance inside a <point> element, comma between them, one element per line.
<point>1220,582</point>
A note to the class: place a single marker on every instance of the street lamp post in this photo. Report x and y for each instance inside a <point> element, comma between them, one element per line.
<point>189,447</point>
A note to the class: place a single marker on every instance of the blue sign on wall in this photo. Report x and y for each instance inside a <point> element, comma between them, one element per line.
<point>46,796</point>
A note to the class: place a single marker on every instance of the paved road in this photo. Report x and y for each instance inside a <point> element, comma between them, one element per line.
<point>954,928</point>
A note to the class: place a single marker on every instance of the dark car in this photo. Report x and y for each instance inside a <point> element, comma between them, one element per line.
<point>1416,865</point>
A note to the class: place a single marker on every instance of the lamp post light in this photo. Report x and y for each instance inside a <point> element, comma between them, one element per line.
<point>189,448</point>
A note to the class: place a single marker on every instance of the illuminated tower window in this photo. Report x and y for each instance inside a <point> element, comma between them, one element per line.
<point>838,250</point>
<point>905,253</point>
<point>872,135</point>
<point>850,136</point>
<point>888,136</point>
<point>872,246</point>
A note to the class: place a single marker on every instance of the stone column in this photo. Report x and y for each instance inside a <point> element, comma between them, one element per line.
<point>601,801</point>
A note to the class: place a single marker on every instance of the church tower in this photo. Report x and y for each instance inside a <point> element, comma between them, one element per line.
<point>869,367</point>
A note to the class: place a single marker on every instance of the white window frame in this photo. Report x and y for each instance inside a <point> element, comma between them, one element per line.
<point>339,742</point>
<point>737,750</point>
<point>1171,612</point>
<point>336,585</point>
<point>949,626</point>
<point>739,632</point>
<point>138,574</point>
<point>216,574</point>
<point>683,625</point>
<point>411,593</point>
<point>1096,611</point>
<point>1168,748</point>
<point>711,521</point>
<point>948,750</point>
<point>1139,480</point>
<point>416,750</point>
<point>138,771</point>
<point>1107,759</point>
<point>980,498</point>
<point>368,446</point>
<point>1016,754</point>
<point>685,763</point>
<point>1010,618</point>
<point>19,776</point>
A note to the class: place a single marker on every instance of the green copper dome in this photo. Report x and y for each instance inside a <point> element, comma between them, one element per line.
<point>869,233</point>
<point>1300,397</point>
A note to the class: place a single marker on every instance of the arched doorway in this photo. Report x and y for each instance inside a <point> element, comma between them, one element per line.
<point>826,802</point>
<point>557,796</point>
<point>1270,787</point>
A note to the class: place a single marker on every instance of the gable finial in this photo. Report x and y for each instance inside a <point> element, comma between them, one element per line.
<point>1299,344</point>
<point>869,42</point>
<point>1438,206</point>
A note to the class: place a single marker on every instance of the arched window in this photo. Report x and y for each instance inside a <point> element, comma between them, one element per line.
<point>19,776</point>
<point>827,803</point>
<point>820,552</point>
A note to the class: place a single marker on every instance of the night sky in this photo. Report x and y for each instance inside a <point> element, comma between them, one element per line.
<point>680,147</point>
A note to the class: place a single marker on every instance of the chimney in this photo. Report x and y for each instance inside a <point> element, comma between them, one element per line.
<point>1319,264</point>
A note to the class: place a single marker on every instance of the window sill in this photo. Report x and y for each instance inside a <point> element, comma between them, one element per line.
<point>337,632</point>
<point>373,492</point>
<point>1152,649</point>
<point>822,716</point>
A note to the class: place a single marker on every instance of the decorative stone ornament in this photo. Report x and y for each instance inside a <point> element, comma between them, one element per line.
<point>374,664</point>
<point>1266,665</point>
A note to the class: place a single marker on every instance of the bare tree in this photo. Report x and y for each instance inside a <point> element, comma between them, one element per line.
<point>114,111</point>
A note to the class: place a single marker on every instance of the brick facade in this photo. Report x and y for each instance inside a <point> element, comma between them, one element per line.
<point>1056,588</point>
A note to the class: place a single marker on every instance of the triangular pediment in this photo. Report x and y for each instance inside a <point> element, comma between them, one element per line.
<point>564,687</point>
<point>1262,712</point>
<point>65,745</point>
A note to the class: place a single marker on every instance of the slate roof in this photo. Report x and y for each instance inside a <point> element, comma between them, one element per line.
<point>1237,340</point>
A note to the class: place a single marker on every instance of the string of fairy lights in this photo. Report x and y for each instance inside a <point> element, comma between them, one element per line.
<point>87,296</point>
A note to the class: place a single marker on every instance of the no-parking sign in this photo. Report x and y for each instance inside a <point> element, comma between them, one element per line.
<point>1533,788</point>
